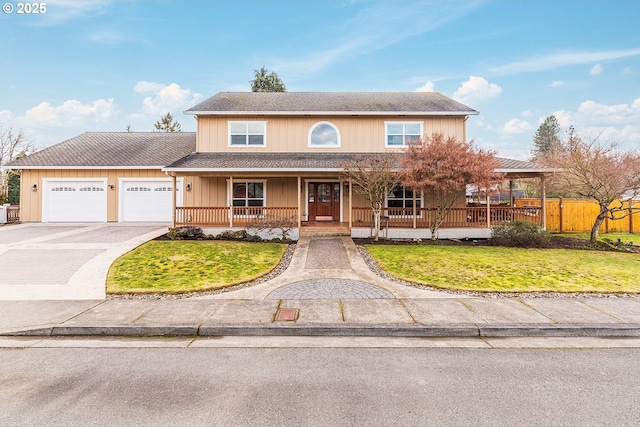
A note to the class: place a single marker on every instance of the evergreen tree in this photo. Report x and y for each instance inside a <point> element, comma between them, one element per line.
<point>167,124</point>
<point>547,138</point>
<point>264,82</point>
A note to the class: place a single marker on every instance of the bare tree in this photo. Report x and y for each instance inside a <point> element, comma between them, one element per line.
<point>598,171</point>
<point>442,167</point>
<point>373,177</point>
<point>12,146</point>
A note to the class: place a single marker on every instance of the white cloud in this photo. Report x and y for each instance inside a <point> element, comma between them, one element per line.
<point>628,71</point>
<point>596,69</point>
<point>165,98</point>
<point>526,113</point>
<point>557,83</point>
<point>374,27</point>
<point>616,122</point>
<point>557,60</point>
<point>71,112</point>
<point>427,87</point>
<point>476,90</point>
<point>60,11</point>
<point>516,126</point>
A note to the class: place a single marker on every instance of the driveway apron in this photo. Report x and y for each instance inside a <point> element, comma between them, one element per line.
<point>64,261</point>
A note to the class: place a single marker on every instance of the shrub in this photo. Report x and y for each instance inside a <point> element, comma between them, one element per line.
<point>521,234</point>
<point>186,233</point>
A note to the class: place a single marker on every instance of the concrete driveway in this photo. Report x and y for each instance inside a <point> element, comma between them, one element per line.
<point>64,261</point>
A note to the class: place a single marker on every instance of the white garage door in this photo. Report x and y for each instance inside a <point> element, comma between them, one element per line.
<point>148,200</point>
<point>75,201</point>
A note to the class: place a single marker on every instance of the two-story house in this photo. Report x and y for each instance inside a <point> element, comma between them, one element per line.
<point>257,155</point>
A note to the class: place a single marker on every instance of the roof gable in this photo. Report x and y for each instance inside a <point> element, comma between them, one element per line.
<point>335,103</point>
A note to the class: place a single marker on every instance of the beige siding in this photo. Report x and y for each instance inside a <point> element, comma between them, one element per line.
<point>31,202</point>
<point>291,133</point>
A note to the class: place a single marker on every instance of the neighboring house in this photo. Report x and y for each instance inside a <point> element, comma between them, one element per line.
<point>257,155</point>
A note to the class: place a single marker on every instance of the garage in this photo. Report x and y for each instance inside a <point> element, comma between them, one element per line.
<point>147,200</point>
<point>74,200</point>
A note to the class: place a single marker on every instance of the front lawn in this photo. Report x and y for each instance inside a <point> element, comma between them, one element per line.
<point>498,269</point>
<point>188,266</point>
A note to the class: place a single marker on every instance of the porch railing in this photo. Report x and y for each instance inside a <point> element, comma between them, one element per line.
<point>222,216</point>
<point>470,216</point>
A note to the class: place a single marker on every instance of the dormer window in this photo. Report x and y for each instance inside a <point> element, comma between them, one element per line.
<point>324,135</point>
<point>247,134</point>
<point>400,134</point>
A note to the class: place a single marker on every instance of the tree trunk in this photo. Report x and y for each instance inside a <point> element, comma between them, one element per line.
<point>596,226</point>
<point>376,224</point>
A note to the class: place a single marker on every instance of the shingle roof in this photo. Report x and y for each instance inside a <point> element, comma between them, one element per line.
<point>310,162</point>
<point>113,149</point>
<point>365,103</point>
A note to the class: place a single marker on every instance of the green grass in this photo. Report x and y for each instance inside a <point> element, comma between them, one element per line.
<point>497,269</point>
<point>188,266</point>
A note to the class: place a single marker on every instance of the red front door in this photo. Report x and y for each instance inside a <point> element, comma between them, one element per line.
<point>324,201</point>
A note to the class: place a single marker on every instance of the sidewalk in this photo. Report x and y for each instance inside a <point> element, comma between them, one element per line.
<point>327,290</point>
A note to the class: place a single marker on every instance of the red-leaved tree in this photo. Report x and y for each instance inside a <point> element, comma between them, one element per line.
<point>442,167</point>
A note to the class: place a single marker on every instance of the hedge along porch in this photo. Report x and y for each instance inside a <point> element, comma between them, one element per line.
<point>234,190</point>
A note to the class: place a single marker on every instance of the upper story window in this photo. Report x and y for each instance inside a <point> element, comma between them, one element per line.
<point>324,134</point>
<point>400,134</point>
<point>247,134</point>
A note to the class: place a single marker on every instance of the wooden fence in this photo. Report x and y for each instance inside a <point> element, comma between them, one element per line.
<point>572,215</point>
<point>13,214</point>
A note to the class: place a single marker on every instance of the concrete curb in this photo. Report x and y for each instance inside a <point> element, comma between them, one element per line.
<point>337,330</point>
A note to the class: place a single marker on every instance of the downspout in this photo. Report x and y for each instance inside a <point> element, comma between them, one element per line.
<point>174,200</point>
<point>299,189</point>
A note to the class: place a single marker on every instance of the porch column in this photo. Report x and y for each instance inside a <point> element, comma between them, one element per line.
<point>488,207</point>
<point>350,204</point>
<point>174,201</point>
<point>543,202</point>
<point>230,201</point>
<point>299,201</point>
<point>414,210</point>
<point>511,193</point>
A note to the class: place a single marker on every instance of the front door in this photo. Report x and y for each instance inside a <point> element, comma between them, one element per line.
<point>324,201</point>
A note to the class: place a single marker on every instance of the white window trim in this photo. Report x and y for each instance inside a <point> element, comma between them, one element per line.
<point>247,145</point>
<point>310,145</point>
<point>397,122</point>
<point>247,181</point>
<point>419,197</point>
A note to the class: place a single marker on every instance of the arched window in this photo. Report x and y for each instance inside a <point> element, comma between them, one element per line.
<point>324,135</point>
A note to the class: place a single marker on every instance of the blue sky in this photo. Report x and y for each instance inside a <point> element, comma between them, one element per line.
<point>102,65</point>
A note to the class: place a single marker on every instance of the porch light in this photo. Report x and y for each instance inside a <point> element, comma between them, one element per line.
<point>189,187</point>
<point>346,188</point>
<point>112,187</point>
<point>34,187</point>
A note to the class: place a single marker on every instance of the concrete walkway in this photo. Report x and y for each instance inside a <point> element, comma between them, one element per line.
<point>328,268</point>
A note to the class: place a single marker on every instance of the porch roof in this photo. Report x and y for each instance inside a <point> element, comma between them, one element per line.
<point>310,162</point>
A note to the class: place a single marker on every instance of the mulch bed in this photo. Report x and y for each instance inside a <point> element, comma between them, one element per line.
<point>557,242</point>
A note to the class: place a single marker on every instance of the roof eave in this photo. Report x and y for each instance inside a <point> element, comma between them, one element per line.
<point>333,113</point>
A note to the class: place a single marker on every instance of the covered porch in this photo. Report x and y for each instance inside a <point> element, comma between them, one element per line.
<point>227,193</point>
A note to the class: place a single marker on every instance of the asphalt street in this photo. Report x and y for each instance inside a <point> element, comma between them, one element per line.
<point>319,387</point>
